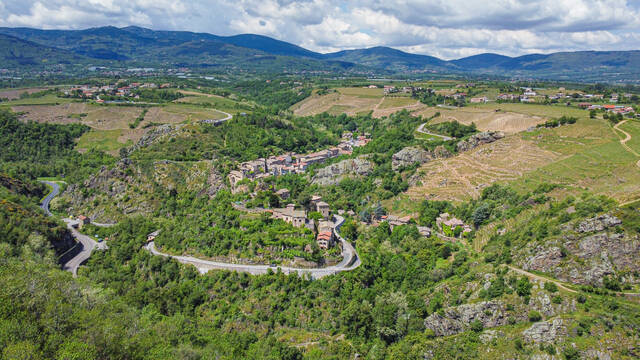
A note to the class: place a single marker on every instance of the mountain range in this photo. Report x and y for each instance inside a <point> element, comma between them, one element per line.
<point>24,47</point>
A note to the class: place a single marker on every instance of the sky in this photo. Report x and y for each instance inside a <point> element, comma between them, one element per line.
<point>447,29</point>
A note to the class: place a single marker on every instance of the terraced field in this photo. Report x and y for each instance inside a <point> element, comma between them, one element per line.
<point>486,119</point>
<point>352,101</point>
<point>465,175</point>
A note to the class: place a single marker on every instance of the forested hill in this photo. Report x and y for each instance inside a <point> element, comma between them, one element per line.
<point>27,47</point>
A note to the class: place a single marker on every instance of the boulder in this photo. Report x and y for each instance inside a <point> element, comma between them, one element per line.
<point>478,139</point>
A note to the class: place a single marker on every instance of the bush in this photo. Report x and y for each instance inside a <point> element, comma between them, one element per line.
<point>550,287</point>
<point>534,316</point>
<point>570,354</point>
<point>557,300</point>
<point>476,326</point>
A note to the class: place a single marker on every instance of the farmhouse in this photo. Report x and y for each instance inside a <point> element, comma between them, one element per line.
<point>397,221</point>
<point>478,100</point>
<point>297,218</point>
<point>323,208</point>
<point>283,193</point>
<point>326,236</point>
<point>452,226</point>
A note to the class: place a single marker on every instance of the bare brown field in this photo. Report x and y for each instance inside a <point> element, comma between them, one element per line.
<point>486,119</point>
<point>353,101</point>
<point>97,117</point>
<point>13,94</point>
<point>159,115</point>
<point>348,104</point>
<point>464,176</point>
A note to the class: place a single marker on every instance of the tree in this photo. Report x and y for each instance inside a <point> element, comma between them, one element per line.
<point>480,214</point>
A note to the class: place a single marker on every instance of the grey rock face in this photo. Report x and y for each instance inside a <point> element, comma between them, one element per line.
<point>598,223</point>
<point>479,139</point>
<point>589,256</point>
<point>457,319</point>
<point>548,331</point>
<point>215,183</point>
<point>335,173</point>
<point>409,156</point>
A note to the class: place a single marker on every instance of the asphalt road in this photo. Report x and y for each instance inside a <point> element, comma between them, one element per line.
<point>350,258</point>
<point>349,262</point>
<point>47,200</point>
<point>423,131</point>
<point>86,243</point>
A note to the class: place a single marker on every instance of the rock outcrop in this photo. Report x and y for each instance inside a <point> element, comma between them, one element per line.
<point>409,156</point>
<point>546,331</point>
<point>598,223</point>
<point>586,255</point>
<point>413,154</point>
<point>152,135</point>
<point>458,319</point>
<point>479,139</point>
<point>335,173</point>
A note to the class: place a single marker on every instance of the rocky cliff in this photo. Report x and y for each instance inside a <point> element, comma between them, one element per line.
<point>335,173</point>
<point>586,253</point>
<point>133,188</point>
<point>412,155</point>
<point>479,139</point>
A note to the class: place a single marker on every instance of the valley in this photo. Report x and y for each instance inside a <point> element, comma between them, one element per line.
<point>360,204</point>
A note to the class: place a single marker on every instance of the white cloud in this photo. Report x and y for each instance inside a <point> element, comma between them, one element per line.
<point>445,28</point>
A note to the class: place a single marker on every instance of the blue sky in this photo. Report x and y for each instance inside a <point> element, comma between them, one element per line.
<point>444,28</point>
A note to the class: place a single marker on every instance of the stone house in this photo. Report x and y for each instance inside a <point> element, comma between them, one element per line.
<point>323,208</point>
<point>297,218</point>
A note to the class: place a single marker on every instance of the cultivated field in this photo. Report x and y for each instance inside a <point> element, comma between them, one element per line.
<point>486,119</point>
<point>110,124</point>
<point>353,101</point>
<point>587,155</point>
<point>12,94</point>
<point>464,176</point>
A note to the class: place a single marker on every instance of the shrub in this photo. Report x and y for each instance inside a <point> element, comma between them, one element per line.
<point>534,316</point>
<point>476,326</point>
<point>570,354</point>
<point>557,300</point>
<point>550,287</point>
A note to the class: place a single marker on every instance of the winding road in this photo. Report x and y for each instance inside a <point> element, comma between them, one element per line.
<point>87,244</point>
<point>350,261</point>
<point>421,130</point>
<point>350,258</point>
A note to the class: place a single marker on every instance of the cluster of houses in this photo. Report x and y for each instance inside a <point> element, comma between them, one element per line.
<point>298,217</point>
<point>445,223</point>
<point>616,109</point>
<point>94,92</point>
<point>452,226</point>
<point>292,162</point>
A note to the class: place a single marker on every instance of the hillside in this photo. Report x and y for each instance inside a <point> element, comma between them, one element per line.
<point>390,59</point>
<point>21,53</point>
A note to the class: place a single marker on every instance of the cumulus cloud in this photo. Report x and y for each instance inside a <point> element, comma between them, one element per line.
<point>444,28</point>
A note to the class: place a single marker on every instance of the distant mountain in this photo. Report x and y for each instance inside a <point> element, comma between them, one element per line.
<point>21,53</point>
<point>481,61</point>
<point>390,59</point>
<point>140,46</point>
